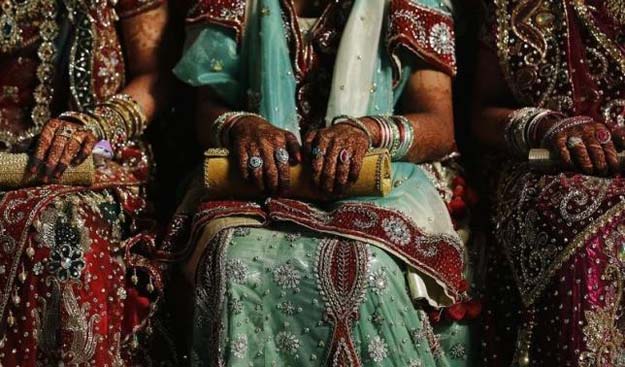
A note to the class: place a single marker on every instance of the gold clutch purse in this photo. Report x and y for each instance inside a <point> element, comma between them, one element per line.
<point>223,181</point>
<point>13,173</point>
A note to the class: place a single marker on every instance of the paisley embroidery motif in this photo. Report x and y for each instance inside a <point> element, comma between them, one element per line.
<point>341,270</point>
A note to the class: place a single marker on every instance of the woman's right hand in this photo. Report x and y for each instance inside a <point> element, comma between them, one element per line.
<point>588,148</point>
<point>264,153</point>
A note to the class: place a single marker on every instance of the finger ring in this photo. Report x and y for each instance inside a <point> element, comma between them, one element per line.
<point>282,156</point>
<point>344,156</point>
<point>255,162</point>
<point>574,141</point>
<point>317,153</point>
<point>603,136</point>
<point>65,132</point>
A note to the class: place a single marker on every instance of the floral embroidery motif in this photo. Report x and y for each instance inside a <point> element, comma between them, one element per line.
<point>377,349</point>
<point>286,276</point>
<point>397,231</point>
<point>121,293</point>
<point>292,237</point>
<point>377,318</point>
<point>458,351</point>
<point>378,281</point>
<point>441,39</point>
<point>38,268</point>
<point>236,306</point>
<point>232,12</point>
<point>417,28</point>
<point>426,31</point>
<point>239,346</point>
<point>236,271</point>
<point>242,231</point>
<point>287,342</point>
<point>66,262</point>
<point>604,338</point>
<point>287,308</point>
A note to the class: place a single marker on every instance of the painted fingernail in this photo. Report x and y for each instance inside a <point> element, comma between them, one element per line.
<point>34,165</point>
<point>49,171</point>
<point>59,170</point>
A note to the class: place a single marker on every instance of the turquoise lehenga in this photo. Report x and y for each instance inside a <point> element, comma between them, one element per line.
<point>281,282</point>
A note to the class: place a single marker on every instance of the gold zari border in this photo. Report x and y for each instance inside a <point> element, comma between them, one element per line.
<point>578,242</point>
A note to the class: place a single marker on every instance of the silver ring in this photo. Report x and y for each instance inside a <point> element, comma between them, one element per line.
<point>255,162</point>
<point>282,156</point>
<point>317,153</point>
<point>574,141</point>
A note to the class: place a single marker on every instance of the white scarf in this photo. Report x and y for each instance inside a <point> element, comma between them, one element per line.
<point>356,60</point>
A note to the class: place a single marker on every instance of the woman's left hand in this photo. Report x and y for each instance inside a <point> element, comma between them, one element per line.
<point>336,153</point>
<point>60,145</point>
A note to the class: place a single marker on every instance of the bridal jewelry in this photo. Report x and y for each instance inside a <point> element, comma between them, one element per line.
<point>11,38</point>
<point>574,142</point>
<point>603,136</point>
<point>344,156</point>
<point>255,162</point>
<point>282,156</point>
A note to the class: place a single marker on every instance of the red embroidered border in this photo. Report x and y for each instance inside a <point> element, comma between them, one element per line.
<point>225,13</point>
<point>416,28</point>
<point>129,8</point>
<point>440,257</point>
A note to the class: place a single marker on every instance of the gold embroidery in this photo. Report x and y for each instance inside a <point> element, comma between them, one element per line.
<point>81,327</point>
<point>528,42</point>
<point>608,44</point>
<point>522,24</point>
<point>604,339</point>
<point>616,10</point>
<point>530,295</point>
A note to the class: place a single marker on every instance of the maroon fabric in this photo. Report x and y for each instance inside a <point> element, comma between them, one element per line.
<point>555,285</point>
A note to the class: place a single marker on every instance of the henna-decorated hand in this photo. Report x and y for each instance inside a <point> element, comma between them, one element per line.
<point>618,137</point>
<point>60,144</point>
<point>336,153</point>
<point>264,153</point>
<point>588,148</point>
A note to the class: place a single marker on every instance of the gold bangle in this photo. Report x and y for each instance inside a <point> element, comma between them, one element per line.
<point>135,110</point>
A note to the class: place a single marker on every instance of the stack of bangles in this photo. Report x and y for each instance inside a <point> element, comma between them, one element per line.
<point>396,133</point>
<point>520,132</point>
<point>118,120</point>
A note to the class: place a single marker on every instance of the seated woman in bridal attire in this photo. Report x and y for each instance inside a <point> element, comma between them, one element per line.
<point>342,281</point>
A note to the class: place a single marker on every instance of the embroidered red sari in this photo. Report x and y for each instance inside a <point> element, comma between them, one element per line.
<point>556,292</point>
<point>76,285</point>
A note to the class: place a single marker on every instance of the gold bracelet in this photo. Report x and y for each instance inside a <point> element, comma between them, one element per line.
<point>135,110</point>
<point>112,122</point>
<point>121,118</point>
<point>129,121</point>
